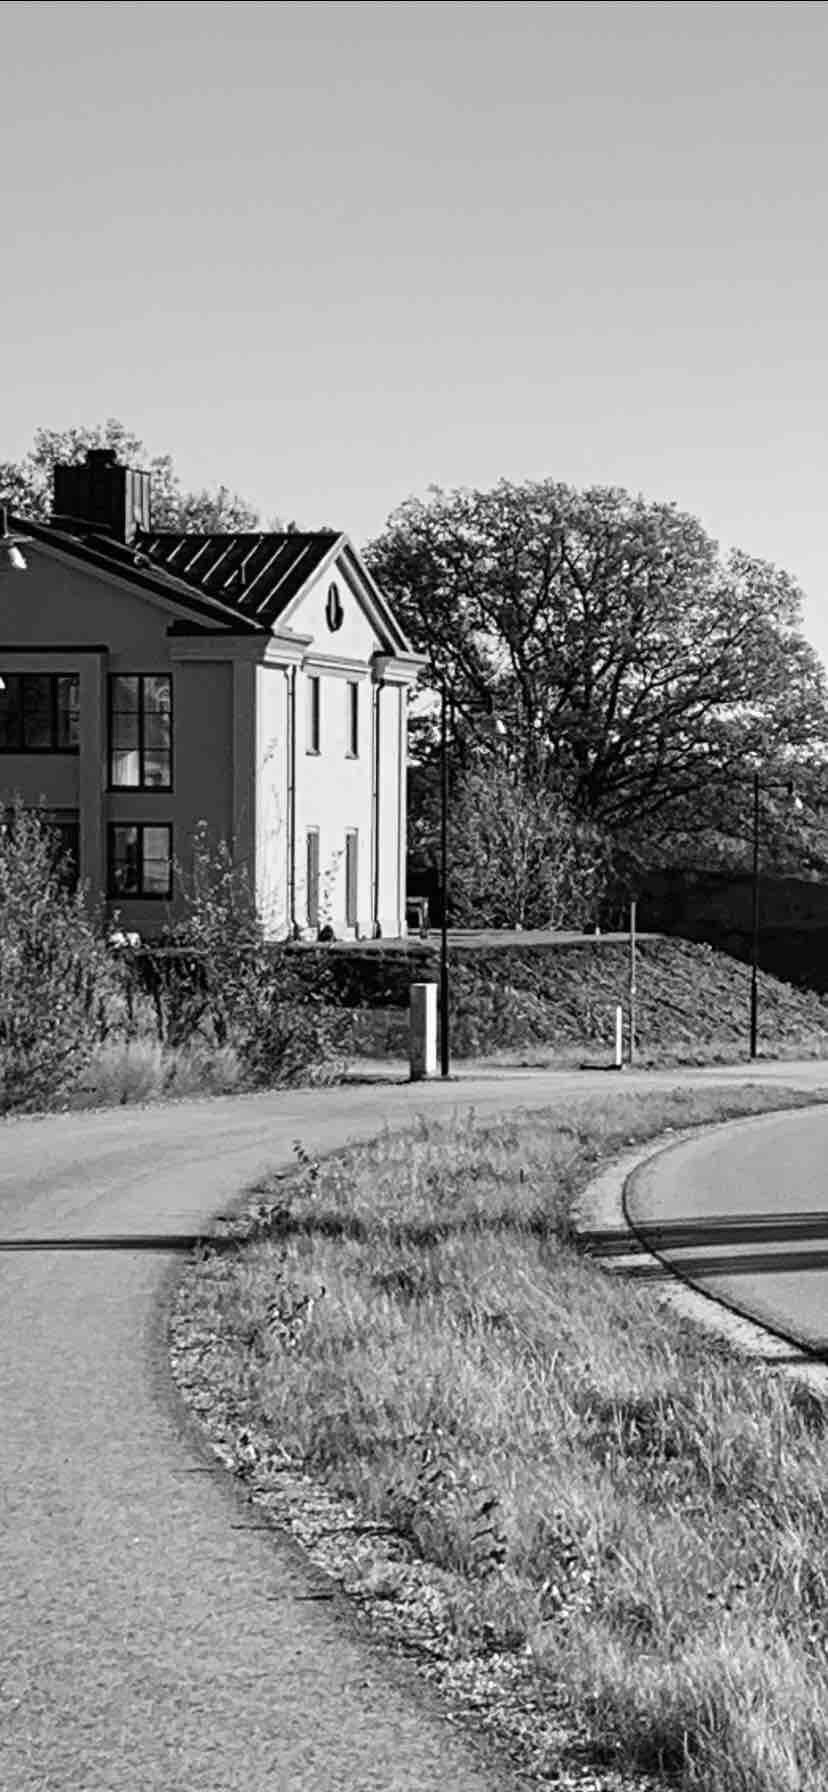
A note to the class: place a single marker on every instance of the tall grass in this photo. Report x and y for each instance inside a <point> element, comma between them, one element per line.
<point>598,1483</point>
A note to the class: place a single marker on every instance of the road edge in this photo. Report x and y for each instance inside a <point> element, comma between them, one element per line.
<point>602,1208</point>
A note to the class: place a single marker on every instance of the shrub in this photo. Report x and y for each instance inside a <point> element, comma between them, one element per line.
<point>56,975</point>
<point>235,988</point>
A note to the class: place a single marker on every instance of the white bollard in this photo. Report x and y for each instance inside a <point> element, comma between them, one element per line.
<point>423,1031</point>
<point>619,1037</point>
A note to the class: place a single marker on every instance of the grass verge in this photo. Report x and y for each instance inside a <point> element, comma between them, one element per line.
<point>604,1531</point>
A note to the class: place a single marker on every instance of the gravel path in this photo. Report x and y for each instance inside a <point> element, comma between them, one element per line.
<point>151,1637</point>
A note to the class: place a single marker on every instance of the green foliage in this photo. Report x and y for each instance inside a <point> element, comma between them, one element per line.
<point>544,1458</point>
<point>519,856</point>
<point>625,658</point>
<point>56,976</point>
<point>239,989</point>
<point>26,485</point>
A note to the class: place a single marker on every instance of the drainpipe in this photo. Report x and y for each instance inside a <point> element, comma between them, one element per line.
<point>377,763</point>
<point>292,800</point>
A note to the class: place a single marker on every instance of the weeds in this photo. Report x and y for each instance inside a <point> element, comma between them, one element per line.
<point>599,1485</point>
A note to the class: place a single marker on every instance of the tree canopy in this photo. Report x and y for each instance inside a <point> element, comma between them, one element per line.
<point>627,662</point>
<point>26,485</point>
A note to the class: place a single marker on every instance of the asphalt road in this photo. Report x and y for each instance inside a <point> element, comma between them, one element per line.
<point>742,1213</point>
<point>151,1638</point>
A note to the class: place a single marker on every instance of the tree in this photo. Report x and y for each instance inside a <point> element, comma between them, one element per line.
<point>26,485</point>
<point>637,670</point>
<point>519,858</point>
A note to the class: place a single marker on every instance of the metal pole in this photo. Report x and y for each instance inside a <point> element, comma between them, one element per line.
<point>632,979</point>
<point>444,972</point>
<point>754,956</point>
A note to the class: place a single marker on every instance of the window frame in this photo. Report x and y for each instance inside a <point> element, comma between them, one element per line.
<point>312,882</point>
<point>352,718</point>
<point>19,746</point>
<point>313,735</point>
<point>352,877</point>
<point>142,787</point>
<point>139,895</point>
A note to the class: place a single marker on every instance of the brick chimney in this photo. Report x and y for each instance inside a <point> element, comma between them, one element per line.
<point>102,496</point>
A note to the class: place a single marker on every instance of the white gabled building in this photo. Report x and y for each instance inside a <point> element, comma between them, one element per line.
<point>254,682</point>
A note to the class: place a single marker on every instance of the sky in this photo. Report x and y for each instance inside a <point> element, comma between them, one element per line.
<point>331,254</point>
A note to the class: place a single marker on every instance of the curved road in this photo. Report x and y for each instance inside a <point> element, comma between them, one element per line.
<point>742,1214</point>
<point>151,1638</point>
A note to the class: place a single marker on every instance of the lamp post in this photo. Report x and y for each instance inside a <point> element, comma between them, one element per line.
<point>754,950</point>
<point>445,1056</point>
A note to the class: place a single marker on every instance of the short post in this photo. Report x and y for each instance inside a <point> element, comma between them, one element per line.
<point>619,1037</point>
<point>423,1031</point>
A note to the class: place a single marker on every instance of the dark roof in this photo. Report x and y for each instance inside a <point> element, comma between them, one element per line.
<point>254,574</point>
<point>241,583</point>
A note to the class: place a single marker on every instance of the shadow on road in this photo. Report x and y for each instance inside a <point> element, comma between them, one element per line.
<point>699,1244</point>
<point>161,1241</point>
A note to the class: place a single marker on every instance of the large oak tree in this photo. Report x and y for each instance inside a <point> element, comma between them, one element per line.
<point>633,666</point>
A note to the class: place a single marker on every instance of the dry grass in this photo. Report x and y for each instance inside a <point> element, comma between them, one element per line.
<point>123,1072</point>
<point>602,1488</point>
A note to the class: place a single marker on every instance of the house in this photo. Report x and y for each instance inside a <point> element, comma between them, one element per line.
<point>254,682</point>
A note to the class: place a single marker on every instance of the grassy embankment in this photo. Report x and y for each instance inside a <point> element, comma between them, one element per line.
<point>518,1004</point>
<point>605,1532</point>
<point>550,1003</point>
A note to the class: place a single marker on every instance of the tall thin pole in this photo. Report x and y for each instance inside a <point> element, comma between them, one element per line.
<point>632,979</point>
<point>444,971</point>
<point>754,956</point>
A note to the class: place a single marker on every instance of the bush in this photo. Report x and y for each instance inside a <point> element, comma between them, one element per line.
<point>227,983</point>
<point>55,971</point>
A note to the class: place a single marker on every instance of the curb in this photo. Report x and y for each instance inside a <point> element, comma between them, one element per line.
<point>602,1209</point>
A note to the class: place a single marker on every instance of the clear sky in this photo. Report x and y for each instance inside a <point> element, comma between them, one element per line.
<point>329,254</point>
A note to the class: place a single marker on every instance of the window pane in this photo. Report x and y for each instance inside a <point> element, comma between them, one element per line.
<point>124,757</point>
<point>37,712</point>
<point>156,769</point>
<point>353,719</point>
<point>351,850</point>
<point>156,861</point>
<point>126,768</point>
<point>157,729</point>
<point>313,877</point>
<point>125,693</point>
<point>313,714</point>
<point>125,728</point>
<point>68,711</point>
<point>125,861</point>
<point>10,718</point>
<point>157,696</point>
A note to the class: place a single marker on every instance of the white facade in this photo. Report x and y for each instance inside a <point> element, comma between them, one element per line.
<point>243,759</point>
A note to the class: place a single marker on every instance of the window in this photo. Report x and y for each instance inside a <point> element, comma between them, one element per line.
<point>313,877</point>
<point>353,720</point>
<point>39,712</point>
<point>333,609</point>
<point>140,859</point>
<point>313,715</point>
<point>351,865</point>
<point>66,834</point>
<point>140,731</point>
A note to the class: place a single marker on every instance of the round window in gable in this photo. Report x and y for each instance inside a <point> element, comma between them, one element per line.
<point>333,609</point>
